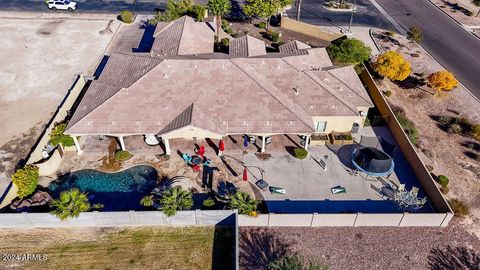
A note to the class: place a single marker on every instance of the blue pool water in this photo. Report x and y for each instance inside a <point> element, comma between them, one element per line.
<point>116,191</point>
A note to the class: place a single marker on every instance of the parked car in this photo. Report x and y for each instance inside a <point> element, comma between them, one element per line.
<point>61,5</point>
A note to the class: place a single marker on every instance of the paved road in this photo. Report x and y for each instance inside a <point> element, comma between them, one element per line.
<point>94,6</point>
<point>444,39</point>
<point>313,12</point>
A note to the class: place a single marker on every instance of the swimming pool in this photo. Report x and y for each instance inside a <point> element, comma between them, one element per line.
<point>119,191</point>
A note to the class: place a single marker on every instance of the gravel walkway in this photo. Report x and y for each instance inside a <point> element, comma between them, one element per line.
<point>363,248</point>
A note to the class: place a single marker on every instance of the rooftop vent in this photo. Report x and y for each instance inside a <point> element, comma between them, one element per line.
<point>296,91</point>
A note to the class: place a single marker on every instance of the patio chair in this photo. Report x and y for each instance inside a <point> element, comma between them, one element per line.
<point>421,202</point>
<point>187,158</point>
<point>414,191</point>
<point>207,162</point>
<point>401,187</point>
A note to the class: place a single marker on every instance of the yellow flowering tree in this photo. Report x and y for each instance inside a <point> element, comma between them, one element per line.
<point>442,80</point>
<point>393,66</point>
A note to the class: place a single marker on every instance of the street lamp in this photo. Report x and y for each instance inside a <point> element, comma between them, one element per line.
<point>348,32</point>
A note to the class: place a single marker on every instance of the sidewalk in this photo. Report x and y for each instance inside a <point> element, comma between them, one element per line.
<point>60,15</point>
<point>359,32</point>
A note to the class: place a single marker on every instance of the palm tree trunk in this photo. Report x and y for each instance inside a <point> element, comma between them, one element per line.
<point>268,23</point>
<point>219,24</point>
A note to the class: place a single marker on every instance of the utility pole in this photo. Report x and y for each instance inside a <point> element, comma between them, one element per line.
<point>299,7</point>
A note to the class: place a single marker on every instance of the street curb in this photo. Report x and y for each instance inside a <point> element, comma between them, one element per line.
<point>459,23</point>
<point>397,25</point>
<point>429,55</point>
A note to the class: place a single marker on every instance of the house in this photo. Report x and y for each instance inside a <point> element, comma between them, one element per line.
<point>182,89</point>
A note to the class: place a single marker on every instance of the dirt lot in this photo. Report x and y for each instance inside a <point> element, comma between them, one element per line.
<point>363,248</point>
<point>454,155</point>
<point>108,248</point>
<point>40,61</point>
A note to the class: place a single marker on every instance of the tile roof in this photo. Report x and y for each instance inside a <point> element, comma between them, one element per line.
<point>183,36</point>
<point>272,93</point>
<point>247,46</point>
<point>294,47</point>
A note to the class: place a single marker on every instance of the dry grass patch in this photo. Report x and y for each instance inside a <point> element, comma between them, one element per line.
<point>143,248</point>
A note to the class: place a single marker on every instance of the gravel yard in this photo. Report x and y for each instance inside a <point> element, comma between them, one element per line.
<point>363,248</point>
<point>453,155</point>
<point>40,61</point>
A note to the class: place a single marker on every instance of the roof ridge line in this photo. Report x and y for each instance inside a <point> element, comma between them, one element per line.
<point>69,127</point>
<point>326,87</point>
<point>346,84</point>
<point>266,90</point>
<point>121,88</point>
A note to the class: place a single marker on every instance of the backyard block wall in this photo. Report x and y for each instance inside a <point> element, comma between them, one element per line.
<point>120,219</point>
<point>408,150</point>
<point>308,29</point>
<point>346,220</point>
<point>60,115</point>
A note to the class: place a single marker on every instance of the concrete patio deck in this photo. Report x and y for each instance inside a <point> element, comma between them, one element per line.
<point>308,186</point>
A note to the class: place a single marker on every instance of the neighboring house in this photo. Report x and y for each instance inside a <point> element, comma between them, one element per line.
<point>185,90</point>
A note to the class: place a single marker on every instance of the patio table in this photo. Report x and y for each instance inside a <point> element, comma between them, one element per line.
<point>197,160</point>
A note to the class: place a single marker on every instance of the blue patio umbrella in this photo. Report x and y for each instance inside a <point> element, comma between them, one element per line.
<point>245,141</point>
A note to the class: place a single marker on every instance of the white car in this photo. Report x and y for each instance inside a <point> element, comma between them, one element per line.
<point>61,5</point>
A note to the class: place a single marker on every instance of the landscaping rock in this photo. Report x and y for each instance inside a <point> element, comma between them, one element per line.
<point>38,198</point>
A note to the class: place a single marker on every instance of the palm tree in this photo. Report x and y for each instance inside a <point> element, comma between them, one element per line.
<point>244,203</point>
<point>175,199</point>
<point>70,204</point>
<point>147,200</point>
<point>219,8</point>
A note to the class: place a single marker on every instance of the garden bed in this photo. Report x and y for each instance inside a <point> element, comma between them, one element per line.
<point>341,138</point>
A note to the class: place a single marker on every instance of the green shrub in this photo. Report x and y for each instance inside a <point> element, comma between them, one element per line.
<point>197,12</point>
<point>442,180</point>
<point>26,179</point>
<point>349,51</point>
<point>295,262</point>
<point>225,41</point>
<point>208,202</point>
<point>152,22</point>
<point>409,127</point>
<point>273,36</point>
<point>262,25</point>
<point>415,34</point>
<point>126,16</point>
<point>300,153</point>
<point>460,209</point>
<point>475,132</point>
<point>389,33</point>
<point>122,155</point>
<point>388,93</point>
<point>57,136</point>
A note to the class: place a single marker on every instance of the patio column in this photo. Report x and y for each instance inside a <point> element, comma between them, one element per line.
<point>307,141</point>
<point>122,143</point>
<point>77,145</point>
<point>168,151</point>
<point>263,144</point>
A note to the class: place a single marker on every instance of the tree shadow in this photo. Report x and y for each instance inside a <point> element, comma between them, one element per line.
<point>411,82</point>
<point>259,247</point>
<point>453,258</point>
